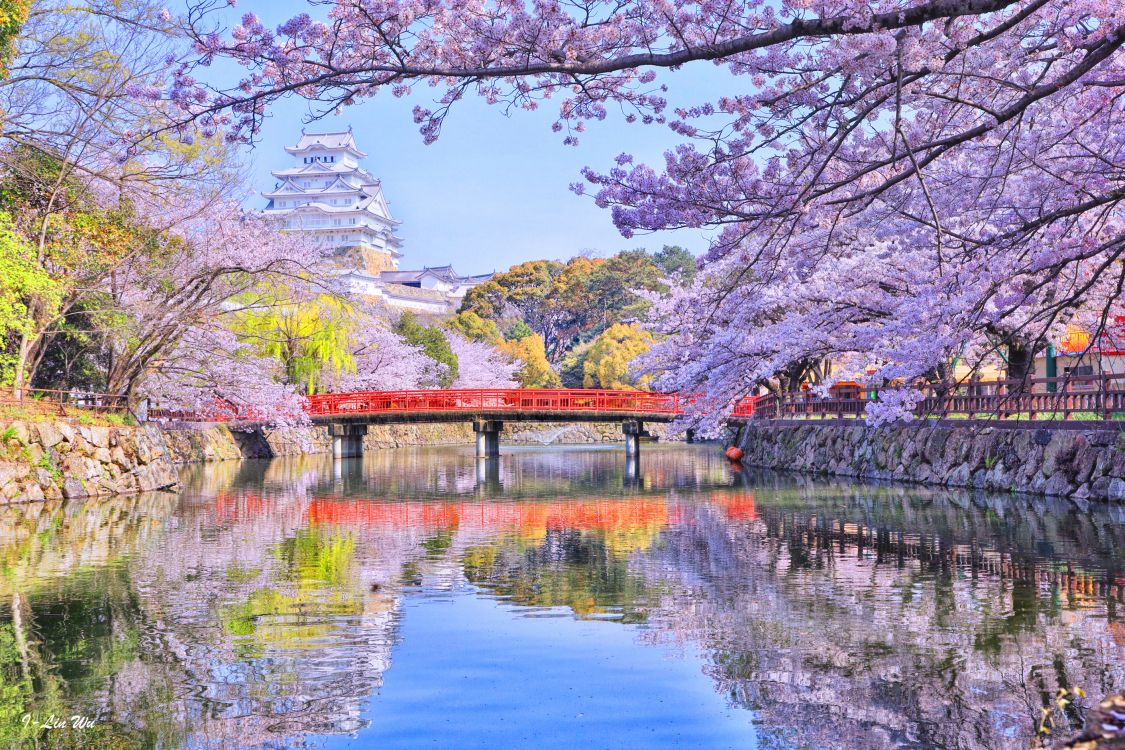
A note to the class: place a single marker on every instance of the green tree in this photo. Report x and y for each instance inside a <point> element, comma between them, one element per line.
<point>540,293</point>
<point>75,242</point>
<point>518,332</point>
<point>310,338</point>
<point>673,260</point>
<point>612,288</point>
<point>572,372</point>
<point>433,342</point>
<point>25,287</point>
<point>474,327</point>
<point>608,362</point>
<point>566,303</point>
<point>13,15</point>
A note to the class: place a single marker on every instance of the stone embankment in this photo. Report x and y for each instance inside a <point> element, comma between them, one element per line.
<point>1067,460</point>
<point>51,460</point>
<point>60,459</point>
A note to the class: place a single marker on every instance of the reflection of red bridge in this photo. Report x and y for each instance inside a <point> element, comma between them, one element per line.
<point>587,514</point>
<point>348,414</point>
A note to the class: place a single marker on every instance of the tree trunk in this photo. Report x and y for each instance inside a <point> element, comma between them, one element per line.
<point>1021,365</point>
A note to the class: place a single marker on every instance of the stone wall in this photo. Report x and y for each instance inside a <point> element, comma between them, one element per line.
<point>51,460</point>
<point>1061,460</point>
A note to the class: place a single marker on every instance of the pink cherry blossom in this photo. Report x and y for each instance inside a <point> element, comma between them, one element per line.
<point>890,184</point>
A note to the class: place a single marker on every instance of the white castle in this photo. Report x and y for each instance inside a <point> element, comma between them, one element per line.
<point>329,195</point>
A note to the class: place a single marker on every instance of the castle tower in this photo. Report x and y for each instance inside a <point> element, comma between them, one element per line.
<point>329,195</point>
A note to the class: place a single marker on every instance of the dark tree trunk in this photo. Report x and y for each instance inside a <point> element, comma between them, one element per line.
<point>1021,365</point>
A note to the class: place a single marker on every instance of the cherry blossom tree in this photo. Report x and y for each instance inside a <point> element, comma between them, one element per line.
<point>209,372</point>
<point>889,183</point>
<point>384,362</point>
<point>481,365</point>
<point>169,307</point>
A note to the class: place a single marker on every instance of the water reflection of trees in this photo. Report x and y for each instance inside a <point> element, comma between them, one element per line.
<point>263,606</point>
<point>284,629</point>
<point>71,629</point>
<point>876,617</point>
<point>565,568</point>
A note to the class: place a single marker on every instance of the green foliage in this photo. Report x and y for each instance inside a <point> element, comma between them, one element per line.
<point>13,14</point>
<point>74,347</point>
<point>23,284</point>
<point>48,465</point>
<point>608,362</point>
<point>433,342</point>
<point>474,327</point>
<point>310,338</point>
<point>524,286</point>
<point>673,260</point>
<point>612,287</point>
<point>72,243</point>
<point>569,303</point>
<point>518,332</point>
<point>572,371</point>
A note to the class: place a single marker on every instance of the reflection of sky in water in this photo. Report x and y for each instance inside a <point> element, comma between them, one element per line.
<point>470,674</point>
<point>556,598</point>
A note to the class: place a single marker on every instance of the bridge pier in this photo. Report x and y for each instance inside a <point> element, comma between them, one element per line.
<point>488,437</point>
<point>633,429</point>
<point>347,440</point>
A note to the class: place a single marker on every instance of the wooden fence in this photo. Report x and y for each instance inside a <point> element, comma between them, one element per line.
<point>63,403</point>
<point>1098,397</point>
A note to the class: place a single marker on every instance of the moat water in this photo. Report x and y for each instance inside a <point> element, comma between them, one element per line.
<point>555,599</point>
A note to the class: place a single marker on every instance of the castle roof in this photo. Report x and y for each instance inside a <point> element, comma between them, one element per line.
<point>334,141</point>
<point>443,273</point>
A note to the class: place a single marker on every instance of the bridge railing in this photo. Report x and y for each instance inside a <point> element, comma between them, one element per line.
<point>495,400</point>
<point>466,401</point>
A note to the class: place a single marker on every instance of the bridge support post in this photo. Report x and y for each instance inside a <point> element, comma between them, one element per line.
<point>632,429</point>
<point>347,440</point>
<point>488,437</point>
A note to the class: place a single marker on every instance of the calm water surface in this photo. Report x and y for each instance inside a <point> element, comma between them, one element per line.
<point>553,600</point>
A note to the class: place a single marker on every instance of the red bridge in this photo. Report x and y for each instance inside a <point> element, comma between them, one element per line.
<point>349,414</point>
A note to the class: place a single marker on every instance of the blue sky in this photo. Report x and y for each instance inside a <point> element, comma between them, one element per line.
<point>493,190</point>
